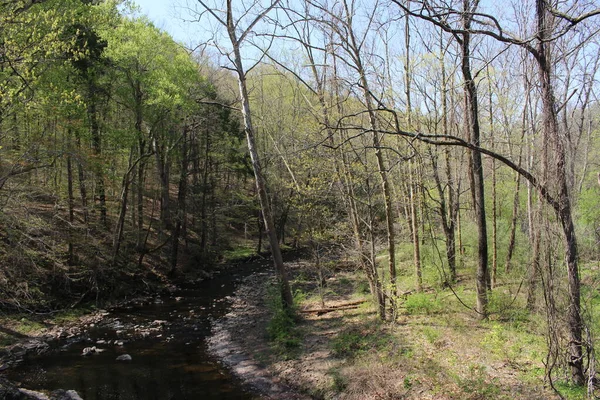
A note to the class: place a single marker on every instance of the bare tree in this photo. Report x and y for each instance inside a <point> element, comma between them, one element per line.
<point>237,36</point>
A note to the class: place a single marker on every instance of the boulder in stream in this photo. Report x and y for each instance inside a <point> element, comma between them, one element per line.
<point>65,395</point>
<point>124,357</point>
<point>33,395</point>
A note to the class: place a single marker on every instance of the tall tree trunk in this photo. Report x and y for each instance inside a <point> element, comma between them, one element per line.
<point>372,261</point>
<point>448,211</point>
<point>414,221</point>
<point>472,120</point>
<point>381,164</point>
<point>551,134</point>
<point>513,223</point>
<point>141,167</point>
<point>71,255</point>
<point>494,187</point>
<point>213,215</point>
<point>535,266</point>
<point>415,228</point>
<point>118,234</point>
<point>97,149</point>
<point>82,185</point>
<point>261,186</point>
<point>181,206</point>
<point>203,199</point>
<point>162,166</point>
<point>261,227</point>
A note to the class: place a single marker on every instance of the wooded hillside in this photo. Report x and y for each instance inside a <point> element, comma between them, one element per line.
<point>430,143</point>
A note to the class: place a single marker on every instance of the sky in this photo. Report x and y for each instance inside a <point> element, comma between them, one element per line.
<point>166,15</point>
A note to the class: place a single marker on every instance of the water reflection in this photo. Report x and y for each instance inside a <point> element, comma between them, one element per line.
<point>169,362</point>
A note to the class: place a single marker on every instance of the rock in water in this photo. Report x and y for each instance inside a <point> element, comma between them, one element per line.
<point>124,357</point>
<point>88,350</point>
<point>32,394</point>
<point>9,391</point>
<point>65,395</point>
<point>73,395</point>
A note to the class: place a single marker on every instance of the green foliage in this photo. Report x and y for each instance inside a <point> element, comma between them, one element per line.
<point>362,287</point>
<point>282,329</point>
<point>359,340</point>
<point>431,334</point>
<point>422,303</point>
<point>479,384</point>
<point>495,340</point>
<point>570,391</point>
<point>505,307</point>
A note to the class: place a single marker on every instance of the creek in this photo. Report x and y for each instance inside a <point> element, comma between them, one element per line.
<point>166,340</point>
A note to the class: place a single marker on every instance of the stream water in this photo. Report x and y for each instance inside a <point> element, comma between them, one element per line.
<point>166,340</point>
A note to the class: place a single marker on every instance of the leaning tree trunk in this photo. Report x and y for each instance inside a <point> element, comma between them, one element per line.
<point>355,49</point>
<point>261,186</point>
<point>118,234</point>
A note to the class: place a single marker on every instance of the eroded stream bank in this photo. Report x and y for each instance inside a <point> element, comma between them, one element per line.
<point>166,340</point>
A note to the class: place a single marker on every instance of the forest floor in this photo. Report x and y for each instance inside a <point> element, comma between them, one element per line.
<point>435,349</point>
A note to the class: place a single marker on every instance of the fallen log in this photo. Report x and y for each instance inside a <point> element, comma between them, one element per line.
<point>346,306</point>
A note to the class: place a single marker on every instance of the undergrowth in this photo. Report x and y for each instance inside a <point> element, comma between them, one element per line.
<point>282,328</point>
<point>361,339</point>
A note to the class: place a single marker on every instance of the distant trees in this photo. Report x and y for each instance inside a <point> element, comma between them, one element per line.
<point>104,116</point>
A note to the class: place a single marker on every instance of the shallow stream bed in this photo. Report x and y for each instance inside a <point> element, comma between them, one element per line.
<point>166,340</point>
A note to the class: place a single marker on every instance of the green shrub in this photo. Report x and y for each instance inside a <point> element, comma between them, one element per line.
<point>431,334</point>
<point>422,303</point>
<point>362,287</point>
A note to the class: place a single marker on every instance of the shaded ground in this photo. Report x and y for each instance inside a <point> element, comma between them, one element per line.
<point>348,354</point>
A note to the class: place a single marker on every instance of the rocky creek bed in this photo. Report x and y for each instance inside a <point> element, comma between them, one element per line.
<point>164,338</point>
<point>239,340</point>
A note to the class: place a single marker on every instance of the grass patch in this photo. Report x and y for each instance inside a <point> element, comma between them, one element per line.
<point>72,315</point>
<point>359,340</point>
<point>478,384</point>
<point>570,391</point>
<point>238,254</point>
<point>504,307</point>
<point>422,303</point>
<point>339,382</point>
<point>431,334</point>
<point>27,326</point>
